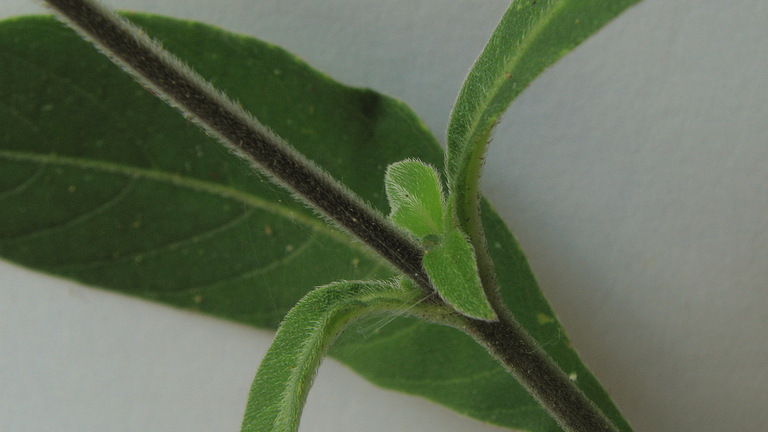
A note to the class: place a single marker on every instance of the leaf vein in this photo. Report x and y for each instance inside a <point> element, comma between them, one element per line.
<point>184,182</point>
<point>158,249</point>
<point>78,219</point>
<point>510,63</point>
<point>16,189</point>
<point>253,271</point>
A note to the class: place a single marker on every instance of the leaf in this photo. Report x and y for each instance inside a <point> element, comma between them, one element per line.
<point>282,382</point>
<point>102,183</point>
<point>531,36</point>
<point>452,269</point>
<point>415,197</point>
<point>128,187</point>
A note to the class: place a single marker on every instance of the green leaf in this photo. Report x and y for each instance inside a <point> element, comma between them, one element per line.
<point>531,36</point>
<point>415,197</point>
<point>102,183</point>
<point>128,187</point>
<point>452,269</point>
<point>282,382</point>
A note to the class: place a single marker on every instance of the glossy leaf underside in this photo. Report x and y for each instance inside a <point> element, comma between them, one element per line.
<point>103,184</point>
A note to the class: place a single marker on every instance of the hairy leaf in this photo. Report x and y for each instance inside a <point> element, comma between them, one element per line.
<point>282,382</point>
<point>102,183</point>
<point>415,197</point>
<point>532,35</point>
<point>451,267</point>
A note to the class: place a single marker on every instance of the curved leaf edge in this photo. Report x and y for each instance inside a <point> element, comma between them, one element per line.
<point>286,373</point>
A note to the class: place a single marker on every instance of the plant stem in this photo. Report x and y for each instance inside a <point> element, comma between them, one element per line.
<point>170,79</point>
<point>521,355</point>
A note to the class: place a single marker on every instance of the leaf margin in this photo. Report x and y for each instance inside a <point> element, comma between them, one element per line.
<point>286,373</point>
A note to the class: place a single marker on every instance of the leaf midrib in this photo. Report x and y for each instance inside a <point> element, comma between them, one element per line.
<point>184,182</point>
<point>509,66</point>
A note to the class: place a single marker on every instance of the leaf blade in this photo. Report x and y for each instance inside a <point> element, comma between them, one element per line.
<point>451,267</point>
<point>415,197</point>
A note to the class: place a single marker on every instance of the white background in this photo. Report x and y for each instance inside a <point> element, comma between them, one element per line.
<point>634,173</point>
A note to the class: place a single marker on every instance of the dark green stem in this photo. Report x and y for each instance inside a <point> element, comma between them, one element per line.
<point>519,353</point>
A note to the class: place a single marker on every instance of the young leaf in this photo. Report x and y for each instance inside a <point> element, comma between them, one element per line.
<point>415,197</point>
<point>88,158</point>
<point>531,36</point>
<point>285,375</point>
<point>451,267</point>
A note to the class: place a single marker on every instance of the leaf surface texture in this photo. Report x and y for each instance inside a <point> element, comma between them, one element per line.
<point>285,375</point>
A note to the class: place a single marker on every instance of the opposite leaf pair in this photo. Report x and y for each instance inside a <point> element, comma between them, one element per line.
<point>418,205</point>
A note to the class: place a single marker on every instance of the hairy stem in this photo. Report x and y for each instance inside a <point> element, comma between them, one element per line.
<point>170,79</point>
<point>519,353</point>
